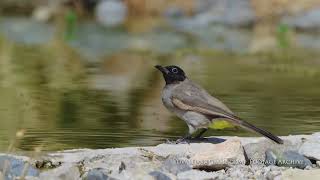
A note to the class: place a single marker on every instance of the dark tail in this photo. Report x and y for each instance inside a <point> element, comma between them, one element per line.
<point>251,127</point>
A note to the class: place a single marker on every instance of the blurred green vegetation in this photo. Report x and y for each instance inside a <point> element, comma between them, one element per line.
<point>283,38</point>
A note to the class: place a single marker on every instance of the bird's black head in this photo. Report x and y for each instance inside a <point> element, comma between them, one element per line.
<point>172,74</point>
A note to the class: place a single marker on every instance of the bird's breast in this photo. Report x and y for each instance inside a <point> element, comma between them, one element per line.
<point>167,97</point>
<point>167,101</point>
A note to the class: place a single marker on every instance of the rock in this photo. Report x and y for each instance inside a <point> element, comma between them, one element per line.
<point>24,30</point>
<point>240,172</point>
<point>316,136</point>
<point>44,13</point>
<point>111,13</point>
<point>311,149</point>
<point>175,161</point>
<point>14,167</point>
<point>297,174</point>
<point>64,172</point>
<point>225,12</point>
<point>196,174</point>
<point>171,165</point>
<point>205,155</point>
<point>293,159</point>
<point>287,159</point>
<point>318,163</point>
<point>219,37</point>
<point>174,12</point>
<point>309,20</point>
<point>96,174</point>
<point>256,151</point>
<point>122,167</point>
<point>159,175</point>
<point>271,158</point>
<point>219,156</point>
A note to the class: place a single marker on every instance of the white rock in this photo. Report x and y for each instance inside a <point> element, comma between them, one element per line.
<point>43,13</point>
<point>311,149</point>
<point>219,156</point>
<point>316,136</point>
<point>205,155</point>
<point>297,174</point>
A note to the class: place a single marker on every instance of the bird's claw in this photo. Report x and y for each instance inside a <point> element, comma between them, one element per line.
<point>178,141</point>
<point>168,141</point>
<point>182,141</point>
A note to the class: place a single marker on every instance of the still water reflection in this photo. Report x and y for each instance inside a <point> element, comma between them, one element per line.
<point>62,103</point>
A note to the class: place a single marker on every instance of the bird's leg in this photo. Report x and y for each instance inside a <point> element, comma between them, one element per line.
<point>184,138</point>
<point>202,131</point>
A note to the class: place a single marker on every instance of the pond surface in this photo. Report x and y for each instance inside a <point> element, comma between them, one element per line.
<point>60,103</point>
<point>59,100</point>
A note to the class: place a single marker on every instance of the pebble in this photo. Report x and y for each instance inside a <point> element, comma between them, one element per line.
<point>96,174</point>
<point>159,175</point>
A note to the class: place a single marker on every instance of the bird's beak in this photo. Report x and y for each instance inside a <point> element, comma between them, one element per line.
<point>162,69</point>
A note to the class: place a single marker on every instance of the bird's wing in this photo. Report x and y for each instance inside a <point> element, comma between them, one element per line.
<point>191,97</point>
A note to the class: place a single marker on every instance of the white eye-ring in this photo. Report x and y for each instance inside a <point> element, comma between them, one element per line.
<point>174,70</point>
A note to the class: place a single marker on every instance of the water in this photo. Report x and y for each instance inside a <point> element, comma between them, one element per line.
<point>62,100</point>
<point>61,103</point>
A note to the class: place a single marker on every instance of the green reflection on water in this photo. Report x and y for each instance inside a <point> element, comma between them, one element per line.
<point>51,93</point>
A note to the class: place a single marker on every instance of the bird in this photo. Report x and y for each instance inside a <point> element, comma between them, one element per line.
<point>193,104</point>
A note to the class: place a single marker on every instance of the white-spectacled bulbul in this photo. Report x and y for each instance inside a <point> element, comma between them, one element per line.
<point>196,106</point>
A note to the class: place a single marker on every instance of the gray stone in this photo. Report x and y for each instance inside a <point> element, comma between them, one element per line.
<point>14,167</point>
<point>159,175</point>
<point>271,158</point>
<point>256,151</point>
<point>96,174</point>
<point>220,37</point>
<point>111,13</point>
<point>64,172</point>
<point>293,159</point>
<point>240,172</point>
<point>309,20</point>
<point>25,30</point>
<point>226,12</point>
<point>196,174</point>
<point>171,165</point>
<point>287,159</point>
<point>174,12</point>
<point>311,149</point>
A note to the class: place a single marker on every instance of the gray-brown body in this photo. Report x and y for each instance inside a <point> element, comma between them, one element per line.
<point>188,90</point>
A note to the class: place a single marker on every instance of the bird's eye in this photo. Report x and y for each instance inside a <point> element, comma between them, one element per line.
<point>174,70</point>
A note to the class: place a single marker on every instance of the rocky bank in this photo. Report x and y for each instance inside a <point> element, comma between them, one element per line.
<point>210,158</point>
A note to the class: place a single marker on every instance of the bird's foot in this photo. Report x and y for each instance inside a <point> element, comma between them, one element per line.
<point>184,140</point>
<point>168,141</point>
